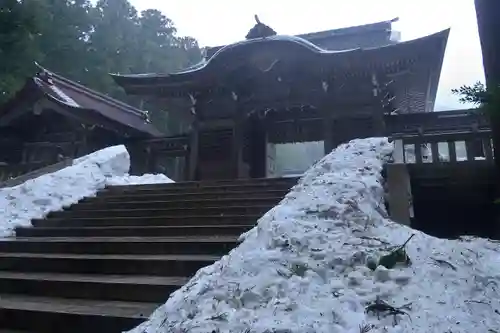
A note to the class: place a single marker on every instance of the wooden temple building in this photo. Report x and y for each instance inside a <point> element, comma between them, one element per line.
<point>53,118</point>
<point>330,86</point>
<point>245,98</point>
<point>240,101</point>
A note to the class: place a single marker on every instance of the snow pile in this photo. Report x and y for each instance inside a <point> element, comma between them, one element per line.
<point>52,192</point>
<point>137,180</point>
<point>304,267</point>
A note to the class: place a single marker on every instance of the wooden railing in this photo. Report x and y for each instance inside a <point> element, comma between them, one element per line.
<point>443,147</point>
<point>10,171</point>
<point>435,150</point>
<point>436,122</point>
<point>13,175</point>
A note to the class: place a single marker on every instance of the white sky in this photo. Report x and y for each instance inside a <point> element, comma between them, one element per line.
<point>219,22</point>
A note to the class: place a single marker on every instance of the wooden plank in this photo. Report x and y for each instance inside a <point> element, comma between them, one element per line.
<point>435,152</point>
<point>193,151</point>
<point>399,153</point>
<point>452,151</point>
<point>418,153</point>
<point>442,137</point>
<point>399,200</point>
<point>469,149</point>
<point>488,149</point>
<point>237,146</point>
<point>328,134</point>
<point>37,173</point>
<point>461,120</point>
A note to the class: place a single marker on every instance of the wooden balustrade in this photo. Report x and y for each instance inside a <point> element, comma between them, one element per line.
<point>443,147</point>
<point>431,153</point>
<point>14,171</point>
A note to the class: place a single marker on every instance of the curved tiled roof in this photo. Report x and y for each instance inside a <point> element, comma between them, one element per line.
<point>339,38</point>
<point>290,47</point>
<point>82,102</point>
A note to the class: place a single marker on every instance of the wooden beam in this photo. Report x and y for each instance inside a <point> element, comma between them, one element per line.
<point>237,145</point>
<point>399,188</point>
<point>192,164</point>
<point>326,105</point>
<point>378,109</point>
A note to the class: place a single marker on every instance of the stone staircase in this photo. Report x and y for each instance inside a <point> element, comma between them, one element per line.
<point>105,264</point>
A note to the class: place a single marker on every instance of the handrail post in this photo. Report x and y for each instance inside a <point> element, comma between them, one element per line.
<point>399,189</point>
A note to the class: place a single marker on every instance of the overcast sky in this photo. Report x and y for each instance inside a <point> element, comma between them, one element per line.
<point>219,22</point>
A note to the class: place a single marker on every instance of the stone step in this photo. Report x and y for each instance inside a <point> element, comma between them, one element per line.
<point>137,288</point>
<point>165,265</point>
<point>171,211</point>
<point>131,230</point>
<point>105,264</point>
<point>148,221</point>
<point>193,203</point>
<point>59,315</point>
<point>145,196</point>
<point>120,245</point>
<point>203,189</point>
<point>209,183</point>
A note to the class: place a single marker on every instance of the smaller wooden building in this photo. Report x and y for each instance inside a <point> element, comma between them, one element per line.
<point>52,118</point>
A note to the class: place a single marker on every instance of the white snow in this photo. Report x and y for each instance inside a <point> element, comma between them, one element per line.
<point>303,267</point>
<point>52,192</point>
<point>137,180</point>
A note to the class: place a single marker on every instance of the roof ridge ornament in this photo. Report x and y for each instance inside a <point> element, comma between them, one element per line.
<point>260,30</point>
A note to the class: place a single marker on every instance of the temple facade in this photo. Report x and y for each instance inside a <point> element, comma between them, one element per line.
<point>282,89</point>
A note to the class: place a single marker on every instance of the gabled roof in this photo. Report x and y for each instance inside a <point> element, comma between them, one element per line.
<point>338,38</point>
<point>392,59</point>
<point>349,31</point>
<point>78,101</point>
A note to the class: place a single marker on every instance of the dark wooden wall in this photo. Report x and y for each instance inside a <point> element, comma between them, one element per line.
<point>35,141</point>
<point>488,17</point>
<point>452,200</point>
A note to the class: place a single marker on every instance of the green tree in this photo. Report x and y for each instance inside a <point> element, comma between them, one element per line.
<point>163,52</point>
<point>19,28</point>
<point>488,101</point>
<point>66,29</point>
<point>111,46</point>
<point>86,42</point>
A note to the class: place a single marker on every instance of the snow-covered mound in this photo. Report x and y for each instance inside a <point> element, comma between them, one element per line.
<point>304,267</point>
<point>52,192</point>
<point>137,180</point>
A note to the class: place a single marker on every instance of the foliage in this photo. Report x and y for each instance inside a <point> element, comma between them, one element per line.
<point>85,42</point>
<point>487,99</point>
<point>18,30</point>
<point>395,257</point>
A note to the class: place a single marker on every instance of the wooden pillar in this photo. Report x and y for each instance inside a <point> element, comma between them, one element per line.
<point>152,153</point>
<point>139,157</point>
<point>81,148</point>
<point>237,146</point>
<point>237,165</point>
<point>399,188</point>
<point>326,111</point>
<point>259,152</point>
<point>378,113</point>
<point>192,164</point>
